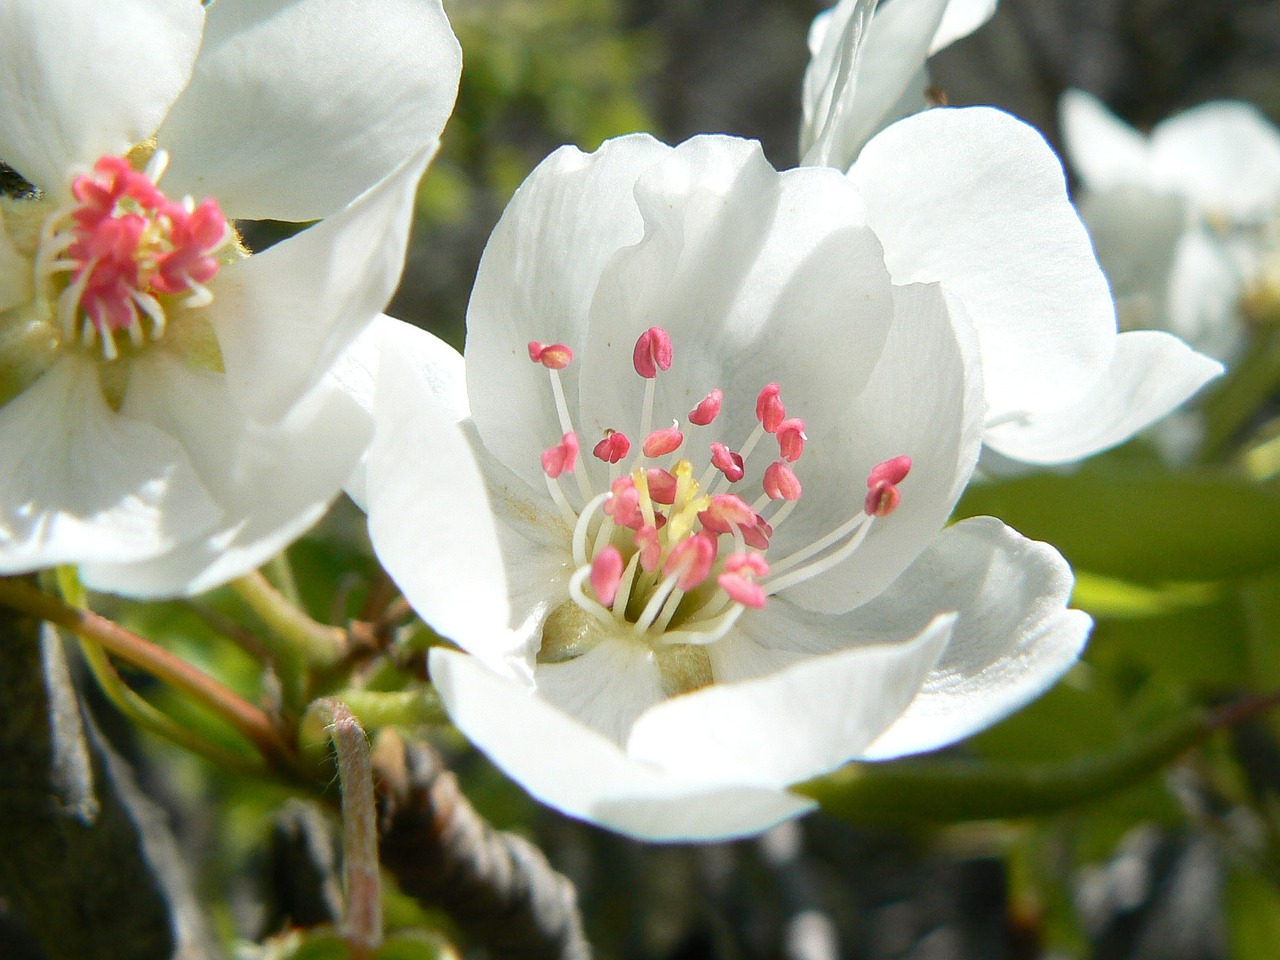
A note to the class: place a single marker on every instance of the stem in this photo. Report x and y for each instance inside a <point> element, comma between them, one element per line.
<point>251,722</point>
<point>318,643</point>
<point>951,791</point>
<point>282,573</point>
<point>362,928</point>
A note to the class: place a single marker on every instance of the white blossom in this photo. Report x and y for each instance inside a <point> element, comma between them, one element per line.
<point>1186,221</point>
<point>162,410</point>
<point>694,542</point>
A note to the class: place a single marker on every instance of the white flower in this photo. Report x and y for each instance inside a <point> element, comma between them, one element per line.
<point>1185,221</point>
<point>975,200</point>
<point>867,69</point>
<point>694,545</point>
<point>159,403</point>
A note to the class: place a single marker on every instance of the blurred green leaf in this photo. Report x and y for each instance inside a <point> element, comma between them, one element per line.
<point>1121,599</point>
<point>1141,523</point>
<point>1253,915</point>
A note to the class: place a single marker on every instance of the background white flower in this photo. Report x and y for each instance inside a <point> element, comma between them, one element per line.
<point>867,69</point>
<point>1185,221</point>
<point>162,419</point>
<point>976,200</point>
<point>676,694</point>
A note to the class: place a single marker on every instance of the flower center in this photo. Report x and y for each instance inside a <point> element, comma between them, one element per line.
<point>673,559</point>
<point>114,269</point>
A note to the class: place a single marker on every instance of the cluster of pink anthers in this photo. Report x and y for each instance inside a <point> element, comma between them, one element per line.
<point>654,559</point>
<point>126,245</point>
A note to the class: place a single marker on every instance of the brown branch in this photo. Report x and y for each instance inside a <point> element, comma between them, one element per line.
<point>251,722</point>
<point>497,887</point>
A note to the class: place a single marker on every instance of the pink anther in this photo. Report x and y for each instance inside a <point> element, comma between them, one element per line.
<point>661,442</point>
<point>553,356</point>
<point>781,482</point>
<point>727,462</point>
<point>646,540</point>
<point>613,447</point>
<point>652,352</point>
<point>882,499</point>
<point>562,457</point>
<point>892,471</point>
<point>195,236</point>
<point>662,485</point>
<point>606,574</point>
<point>769,407</point>
<point>742,590</point>
<point>753,563</point>
<point>791,438</point>
<point>624,505</point>
<point>708,409</point>
<point>690,560</point>
<point>725,512</point>
<point>757,534</point>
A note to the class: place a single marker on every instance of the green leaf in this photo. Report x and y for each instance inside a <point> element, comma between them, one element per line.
<point>1253,912</point>
<point>1141,522</point>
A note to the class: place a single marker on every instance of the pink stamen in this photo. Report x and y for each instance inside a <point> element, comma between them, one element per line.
<point>726,512</point>
<point>769,407</point>
<point>883,495</point>
<point>662,485</point>
<point>652,352</point>
<point>751,562</point>
<point>791,438</point>
<point>742,590</point>
<point>606,574</point>
<point>882,499</point>
<point>553,356</point>
<point>727,462</point>
<point>624,505</point>
<point>562,457</point>
<point>646,540</point>
<point>661,442</point>
<point>690,560</point>
<point>757,535</point>
<point>781,482</point>
<point>613,447</point>
<point>892,471</point>
<point>708,409</point>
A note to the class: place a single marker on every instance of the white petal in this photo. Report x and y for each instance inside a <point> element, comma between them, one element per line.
<point>297,106</point>
<point>584,775</point>
<point>924,400</point>
<point>429,515</point>
<point>535,282</point>
<point>894,47</point>
<point>606,688</point>
<point>831,81</point>
<point>285,315</point>
<point>1013,639</point>
<point>758,277</point>
<point>976,200</point>
<point>273,482</point>
<point>1151,373</point>
<point>1204,291</point>
<point>355,373</point>
<point>792,725</point>
<point>78,80</point>
<point>1224,155</point>
<point>81,483</point>
<point>1103,150</point>
<point>961,18</point>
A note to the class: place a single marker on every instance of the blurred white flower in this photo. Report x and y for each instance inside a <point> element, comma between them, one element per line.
<point>1186,221</point>
<point>694,545</point>
<point>975,200</point>
<point>161,407</point>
